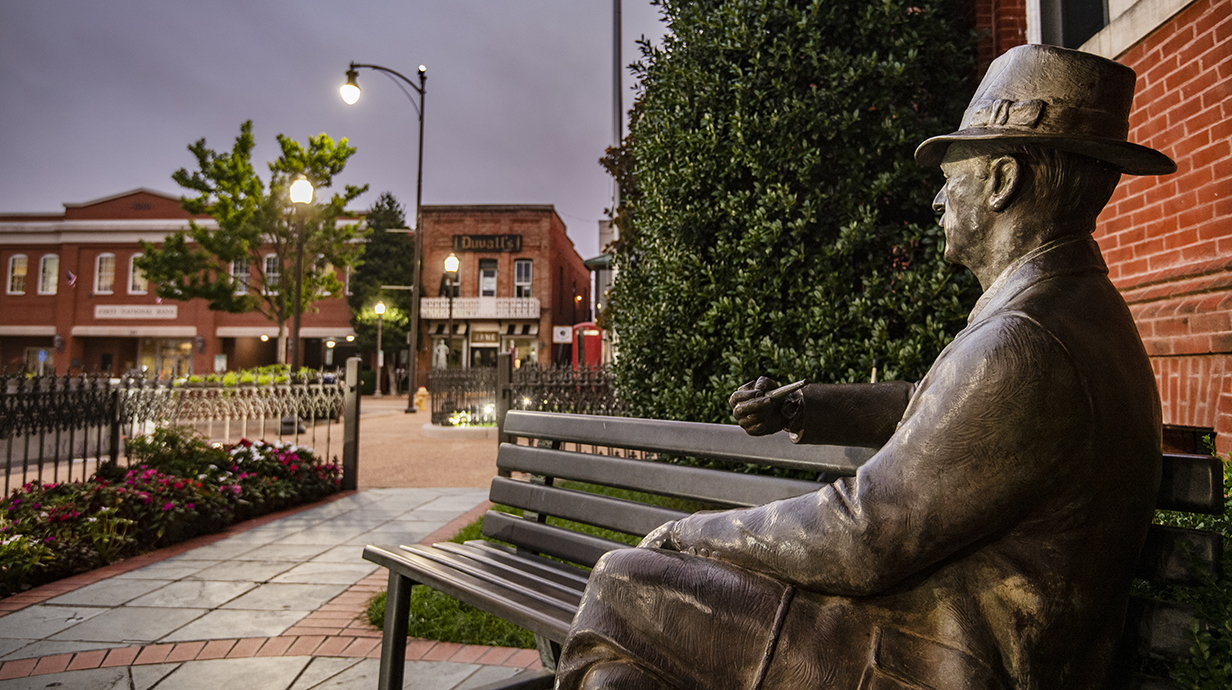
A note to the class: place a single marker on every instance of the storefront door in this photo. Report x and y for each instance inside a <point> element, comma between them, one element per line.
<point>166,357</point>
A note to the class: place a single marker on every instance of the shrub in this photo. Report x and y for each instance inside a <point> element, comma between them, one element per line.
<point>774,219</point>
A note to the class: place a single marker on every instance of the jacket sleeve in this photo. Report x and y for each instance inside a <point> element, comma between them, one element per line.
<point>988,437</point>
<point>852,414</point>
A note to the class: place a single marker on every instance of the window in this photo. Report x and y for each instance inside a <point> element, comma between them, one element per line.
<point>104,274</point>
<point>17,274</point>
<point>487,277</point>
<point>273,273</point>
<point>521,278</point>
<point>1068,23</point>
<point>137,284</point>
<point>49,274</point>
<point>347,282</point>
<point>240,276</point>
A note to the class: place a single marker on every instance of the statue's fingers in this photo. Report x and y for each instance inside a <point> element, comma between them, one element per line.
<point>765,383</point>
<point>758,405</point>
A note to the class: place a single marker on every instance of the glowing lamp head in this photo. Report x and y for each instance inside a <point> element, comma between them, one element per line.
<point>350,338</point>
<point>264,338</point>
<point>350,90</point>
<point>301,190</point>
<point>379,308</point>
<point>330,344</point>
<point>451,263</point>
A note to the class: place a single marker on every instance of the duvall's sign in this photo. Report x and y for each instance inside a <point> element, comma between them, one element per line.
<point>487,243</point>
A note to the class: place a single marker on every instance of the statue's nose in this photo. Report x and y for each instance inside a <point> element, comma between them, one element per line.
<point>939,201</point>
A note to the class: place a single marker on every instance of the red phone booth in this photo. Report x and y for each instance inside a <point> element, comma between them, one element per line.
<point>587,344</point>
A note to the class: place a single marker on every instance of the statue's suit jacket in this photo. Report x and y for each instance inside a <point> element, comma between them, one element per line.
<point>989,544</point>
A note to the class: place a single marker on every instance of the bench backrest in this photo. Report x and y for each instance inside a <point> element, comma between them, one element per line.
<point>1172,556</point>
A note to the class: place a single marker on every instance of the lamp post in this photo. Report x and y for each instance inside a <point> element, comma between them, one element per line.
<point>350,93</point>
<point>301,196</point>
<point>451,280</point>
<point>380,354</point>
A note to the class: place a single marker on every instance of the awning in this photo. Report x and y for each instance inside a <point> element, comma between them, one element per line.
<point>522,329</point>
<point>440,328</point>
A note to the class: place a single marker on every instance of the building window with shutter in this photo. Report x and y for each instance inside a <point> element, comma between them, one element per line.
<point>521,277</point>
<point>137,284</point>
<point>104,274</point>
<point>273,273</point>
<point>17,274</point>
<point>239,276</point>
<point>49,274</point>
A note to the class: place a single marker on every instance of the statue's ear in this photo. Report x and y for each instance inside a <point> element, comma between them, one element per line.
<point>1004,178</point>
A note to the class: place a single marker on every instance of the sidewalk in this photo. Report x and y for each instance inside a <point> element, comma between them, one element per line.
<point>271,604</point>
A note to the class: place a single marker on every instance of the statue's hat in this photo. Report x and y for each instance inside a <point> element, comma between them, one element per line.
<point>1064,99</point>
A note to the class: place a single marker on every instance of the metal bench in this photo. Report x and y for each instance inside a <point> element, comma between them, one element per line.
<point>518,583</point>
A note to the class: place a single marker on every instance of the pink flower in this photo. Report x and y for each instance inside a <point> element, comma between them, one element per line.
<point>294,468</point>
<point>190,506</point>
<point>169,506</point>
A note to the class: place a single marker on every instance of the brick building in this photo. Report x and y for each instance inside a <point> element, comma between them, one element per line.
<point>1168,239</point>
<point>73,301</point>
<point>519,276</point>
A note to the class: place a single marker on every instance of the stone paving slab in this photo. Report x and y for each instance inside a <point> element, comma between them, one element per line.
<point>129,624</point>
<point>287,597</point>
<point>225,624</point>
<point>112,592</point>
<point>42,621</point>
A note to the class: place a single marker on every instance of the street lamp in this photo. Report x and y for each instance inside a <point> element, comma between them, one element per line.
<point>380,354</point>
<point>301,195</point>
<point>350,94</point>
<point>451,280</point>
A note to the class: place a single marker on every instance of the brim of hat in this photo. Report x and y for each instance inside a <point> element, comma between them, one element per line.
<point>1129,158</point>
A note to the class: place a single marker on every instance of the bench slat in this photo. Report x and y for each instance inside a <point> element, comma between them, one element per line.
<point>693,483</point>
<point>1159,628</point>
<point>1169,553</point>
<point>725,442</point>
<point>512,606</point>
<point>592,509</point>
<point>553,571</point>
<point>1192,483</point>
<point>564,544</point>
<point>550,593</point>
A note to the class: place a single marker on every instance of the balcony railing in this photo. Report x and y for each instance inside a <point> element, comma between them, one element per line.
<point>480,308</point>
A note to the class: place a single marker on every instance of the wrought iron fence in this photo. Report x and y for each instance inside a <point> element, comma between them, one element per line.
<point>469,396</point>
<point>65,425</point>
<point>585,390</point>
<point>463,396</point>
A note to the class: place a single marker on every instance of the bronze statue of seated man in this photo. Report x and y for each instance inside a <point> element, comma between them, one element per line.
<point>990,543</point>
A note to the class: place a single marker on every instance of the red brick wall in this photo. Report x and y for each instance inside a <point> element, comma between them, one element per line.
<point>1168,240</point>
<point>1002,25</point>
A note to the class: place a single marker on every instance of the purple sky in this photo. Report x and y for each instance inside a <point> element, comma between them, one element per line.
<point>103,97</point>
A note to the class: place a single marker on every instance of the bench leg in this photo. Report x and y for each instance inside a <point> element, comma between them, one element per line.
<point>393,640</point>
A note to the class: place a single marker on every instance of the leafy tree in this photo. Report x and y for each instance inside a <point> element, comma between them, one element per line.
<point>227,267</point>
<point>777,221</point>
<point>388,259</point>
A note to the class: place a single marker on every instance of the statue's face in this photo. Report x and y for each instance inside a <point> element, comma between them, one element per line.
<point>963,203</point>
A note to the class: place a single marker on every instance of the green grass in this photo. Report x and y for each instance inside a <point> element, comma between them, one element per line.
<point>435,616</point>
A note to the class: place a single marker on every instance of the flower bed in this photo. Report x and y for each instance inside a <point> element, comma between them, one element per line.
<point>182,488</point>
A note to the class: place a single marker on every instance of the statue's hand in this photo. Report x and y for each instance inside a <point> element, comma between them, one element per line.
<point>755,412</point>
<point>661,537</point>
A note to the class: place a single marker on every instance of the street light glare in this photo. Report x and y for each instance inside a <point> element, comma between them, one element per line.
<point>451,263</point>
<point>379,308</point>
<point>350,90</point>
<point>301,191</point>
